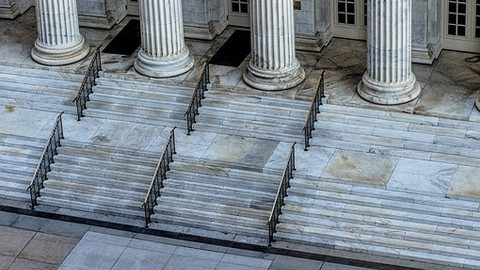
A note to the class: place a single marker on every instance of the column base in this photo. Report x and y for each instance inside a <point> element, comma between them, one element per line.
<point>9,11</point>
<point>163,67</point>
<point>51,55</point>
<point>388,94</point>
<point>477,103</point>
<point>276,80</point>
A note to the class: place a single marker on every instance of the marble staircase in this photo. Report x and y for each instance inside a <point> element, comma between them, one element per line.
<point>398,134</point>
<point>248,115</point>
<point>19,156</point>
<point>438,232</point>
<point>138,101</point>
<point>387,224</point>
<point>99,179</point>
<point>234,200</point>
<point>43,90</point>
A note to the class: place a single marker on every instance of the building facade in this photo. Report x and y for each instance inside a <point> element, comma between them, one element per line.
<point>429,25</point>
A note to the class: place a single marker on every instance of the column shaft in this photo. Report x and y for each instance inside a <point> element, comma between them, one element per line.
<point>389,78</point>
<point>59,40</point>
<point>273,65</point>
<point>163,52</point>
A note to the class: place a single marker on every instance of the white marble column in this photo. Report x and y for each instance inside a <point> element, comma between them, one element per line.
<point>389,79</point>
<point>163,52</point>
<point>59,40</point>
<point>273,65</point>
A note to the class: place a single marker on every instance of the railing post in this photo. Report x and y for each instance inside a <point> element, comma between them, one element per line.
<point>43,166</point>
<point>158,177</point>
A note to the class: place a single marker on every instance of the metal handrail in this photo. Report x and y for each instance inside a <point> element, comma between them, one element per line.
<point>158,177</point>
<point>88,82</point>
<point>46,159</point>
<point>273,220</point>
<point>197,96</point>
<point>314,110</point>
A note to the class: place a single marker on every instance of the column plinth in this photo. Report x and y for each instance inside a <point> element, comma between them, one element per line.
<point>163,52</point>
<point>389,79</point>
<point>273,65</point>
<point>59,40</point>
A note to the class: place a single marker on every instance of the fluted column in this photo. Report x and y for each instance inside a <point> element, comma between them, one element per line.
<point>273,65</point>
<point>389,79</point>
<point>59,40</point>
<point>163,52</point>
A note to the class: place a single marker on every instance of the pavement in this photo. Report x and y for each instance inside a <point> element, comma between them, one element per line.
<point>29,242</point>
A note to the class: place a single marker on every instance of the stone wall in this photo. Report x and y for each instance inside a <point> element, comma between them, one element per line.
<point>101,13</point>
<point>426,31</point>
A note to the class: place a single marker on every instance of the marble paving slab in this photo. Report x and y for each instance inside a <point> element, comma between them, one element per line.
<point>126,135</point>
<point>234,149</point>
<point>426,177</point>
<point>360,167</point>
<point>465,183</point>
<point>24,122</point>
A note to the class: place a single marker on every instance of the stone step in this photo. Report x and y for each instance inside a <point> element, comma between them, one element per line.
<point>104,195</point>
<point>307,188</point>
<point>78,175</point>
<point>10,151</point>
<point>223,181</point>
<point>103,172</point>
<point>216,169</point>
<point>236,168</point>
<point>152,107</point>
<point>136,91</point>
<point>250,131</point>
<point>219,93</point>
<point>17,160</point>
<point>227,192</point>
<point>243,117</point>
<point>149,85</point>
<point>22,142</point>
<point>242,105</point>
<point>224,196</point>
<point>197,215</point>
<point>13,181</point>
<point>173,102</point>
<point>18,168</point>
<point>355,120</point>
<point>43,72</point>
<point>15,195</point>
<point>401,117</point>
<point>40,90</point>
<point>134,118</point>
<point>218,207</point>
<point>340,241</point>
<point>104,154</point>
<point>38,106</point>
<point>66,203</point>
<point>394,230</point>
<point>36,97</point>
<point>393,147</point>
<point>160,219</point>
<point>347,207</point>
<point>41,81</point>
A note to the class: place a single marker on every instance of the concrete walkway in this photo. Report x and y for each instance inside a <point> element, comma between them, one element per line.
<point>37,243</point>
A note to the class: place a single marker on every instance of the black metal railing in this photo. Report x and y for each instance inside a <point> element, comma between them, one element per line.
<point>89,81</point>
<point>281,194</point>
<point>314,110</point>
<point>46,159</point>
<point>157,180</point>
<point>197,96</point>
